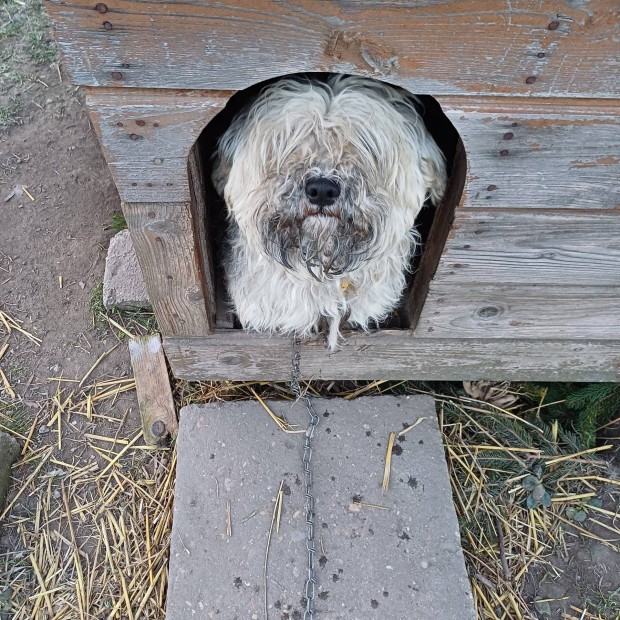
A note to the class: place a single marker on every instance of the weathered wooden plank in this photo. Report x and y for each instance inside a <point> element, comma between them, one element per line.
<point>521,311</point>
<point>438,233</point>
<point>546,153</point>
<point>147,136</point>
<point>203,243</point>
<point>159,419</point>
<point>539,153</point>
<point>522,246</point>
<point>172,266</point>
<point>233,354</point>
<point>567,48</point>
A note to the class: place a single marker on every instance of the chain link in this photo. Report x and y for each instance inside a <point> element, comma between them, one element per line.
<point>313,420</point>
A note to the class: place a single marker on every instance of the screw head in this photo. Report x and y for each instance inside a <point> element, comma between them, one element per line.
<point>140,123</point>
<point>491,188</point>
<point>554,25</point>
<point>158,428</point>
<point>530,79</point>
<point>134,136</point>
<point>504,152</point>
<point>101,7</point>
<point>508,135</point>
<point>541,55</point>
<point>107,25</point>
<point>117,75</point>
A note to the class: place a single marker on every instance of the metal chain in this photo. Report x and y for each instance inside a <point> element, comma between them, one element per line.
<point>313,420</point>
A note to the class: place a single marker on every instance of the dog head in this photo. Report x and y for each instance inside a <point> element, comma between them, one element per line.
<point>323,176</point>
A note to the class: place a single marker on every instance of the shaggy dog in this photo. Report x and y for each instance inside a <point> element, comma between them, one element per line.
<point>323,181</point>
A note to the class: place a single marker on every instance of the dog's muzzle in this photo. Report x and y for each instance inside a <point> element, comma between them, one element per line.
<point>322,192</point>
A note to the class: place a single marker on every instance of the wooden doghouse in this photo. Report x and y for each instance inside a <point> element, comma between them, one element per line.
<point>520,278</point>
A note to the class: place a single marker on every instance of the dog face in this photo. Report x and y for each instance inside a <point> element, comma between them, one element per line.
<point>323,182</point>
<point>326,176</point>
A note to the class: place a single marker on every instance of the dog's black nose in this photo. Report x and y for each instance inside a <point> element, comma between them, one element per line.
<point>322,192</point>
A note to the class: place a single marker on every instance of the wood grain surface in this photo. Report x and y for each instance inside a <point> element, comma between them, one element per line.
<point>159,420</point>
<point>233,354</point>
<point>147,135</point>
<point>512,246</point>
<point>173,269</point>
<point>539,153</point>
<point>566,48</point>
<point>521,311</point>
<point>532,154</point>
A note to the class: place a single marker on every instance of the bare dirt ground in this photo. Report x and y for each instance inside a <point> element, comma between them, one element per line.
<point>86,530</point>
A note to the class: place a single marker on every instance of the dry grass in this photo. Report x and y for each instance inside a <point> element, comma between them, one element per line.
<point>91,522</point>
<point>93,533</point>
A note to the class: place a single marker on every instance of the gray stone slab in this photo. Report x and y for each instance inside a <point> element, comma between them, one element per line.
<point>123,283</point>
<point>382,555</point>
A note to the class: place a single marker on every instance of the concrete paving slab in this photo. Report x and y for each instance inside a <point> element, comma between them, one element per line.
<point>123,283</point>
<point>382,555</point>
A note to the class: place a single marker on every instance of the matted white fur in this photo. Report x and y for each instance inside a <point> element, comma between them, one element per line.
<point>289,263</point>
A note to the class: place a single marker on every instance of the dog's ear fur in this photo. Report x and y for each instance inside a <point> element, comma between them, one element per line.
<point>224,155</point>
<point>432,160</point>
<point>221,170</point>
<point>433,167</point>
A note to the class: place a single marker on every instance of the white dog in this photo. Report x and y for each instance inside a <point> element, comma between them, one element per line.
<point>323,181</point>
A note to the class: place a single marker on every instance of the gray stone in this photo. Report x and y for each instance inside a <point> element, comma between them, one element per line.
<point>9,451</point>
<point>393,554</point>
<point>123,284</point>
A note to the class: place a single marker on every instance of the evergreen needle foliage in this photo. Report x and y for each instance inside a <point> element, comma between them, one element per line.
<point>582,408</point>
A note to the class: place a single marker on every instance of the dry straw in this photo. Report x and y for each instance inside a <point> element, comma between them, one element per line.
<point>91,535</point>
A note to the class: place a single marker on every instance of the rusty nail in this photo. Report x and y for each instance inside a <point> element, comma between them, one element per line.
<point>119,124</point>
<point>530,79</point>
<point>504,152</point>
<point>490,188</point>
<point>554,25</point>
<point>102,8</point>
<point>107,25</point>
<point>134,136</point>
<point>508,135</point>
<point>158,429</point>
<point>541,54</point>
<point>117,75</point>
<point>140,123</point>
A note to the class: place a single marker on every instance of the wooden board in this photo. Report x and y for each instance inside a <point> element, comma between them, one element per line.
<point>521,311</point>
<point>159,420</point>
<point>146,138</point>
<point>567,48</point>
<point>560,153</point>
<point>512,246</point>
<point>173,266</point>
<point>539,153</point>
<point>235,355</point>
